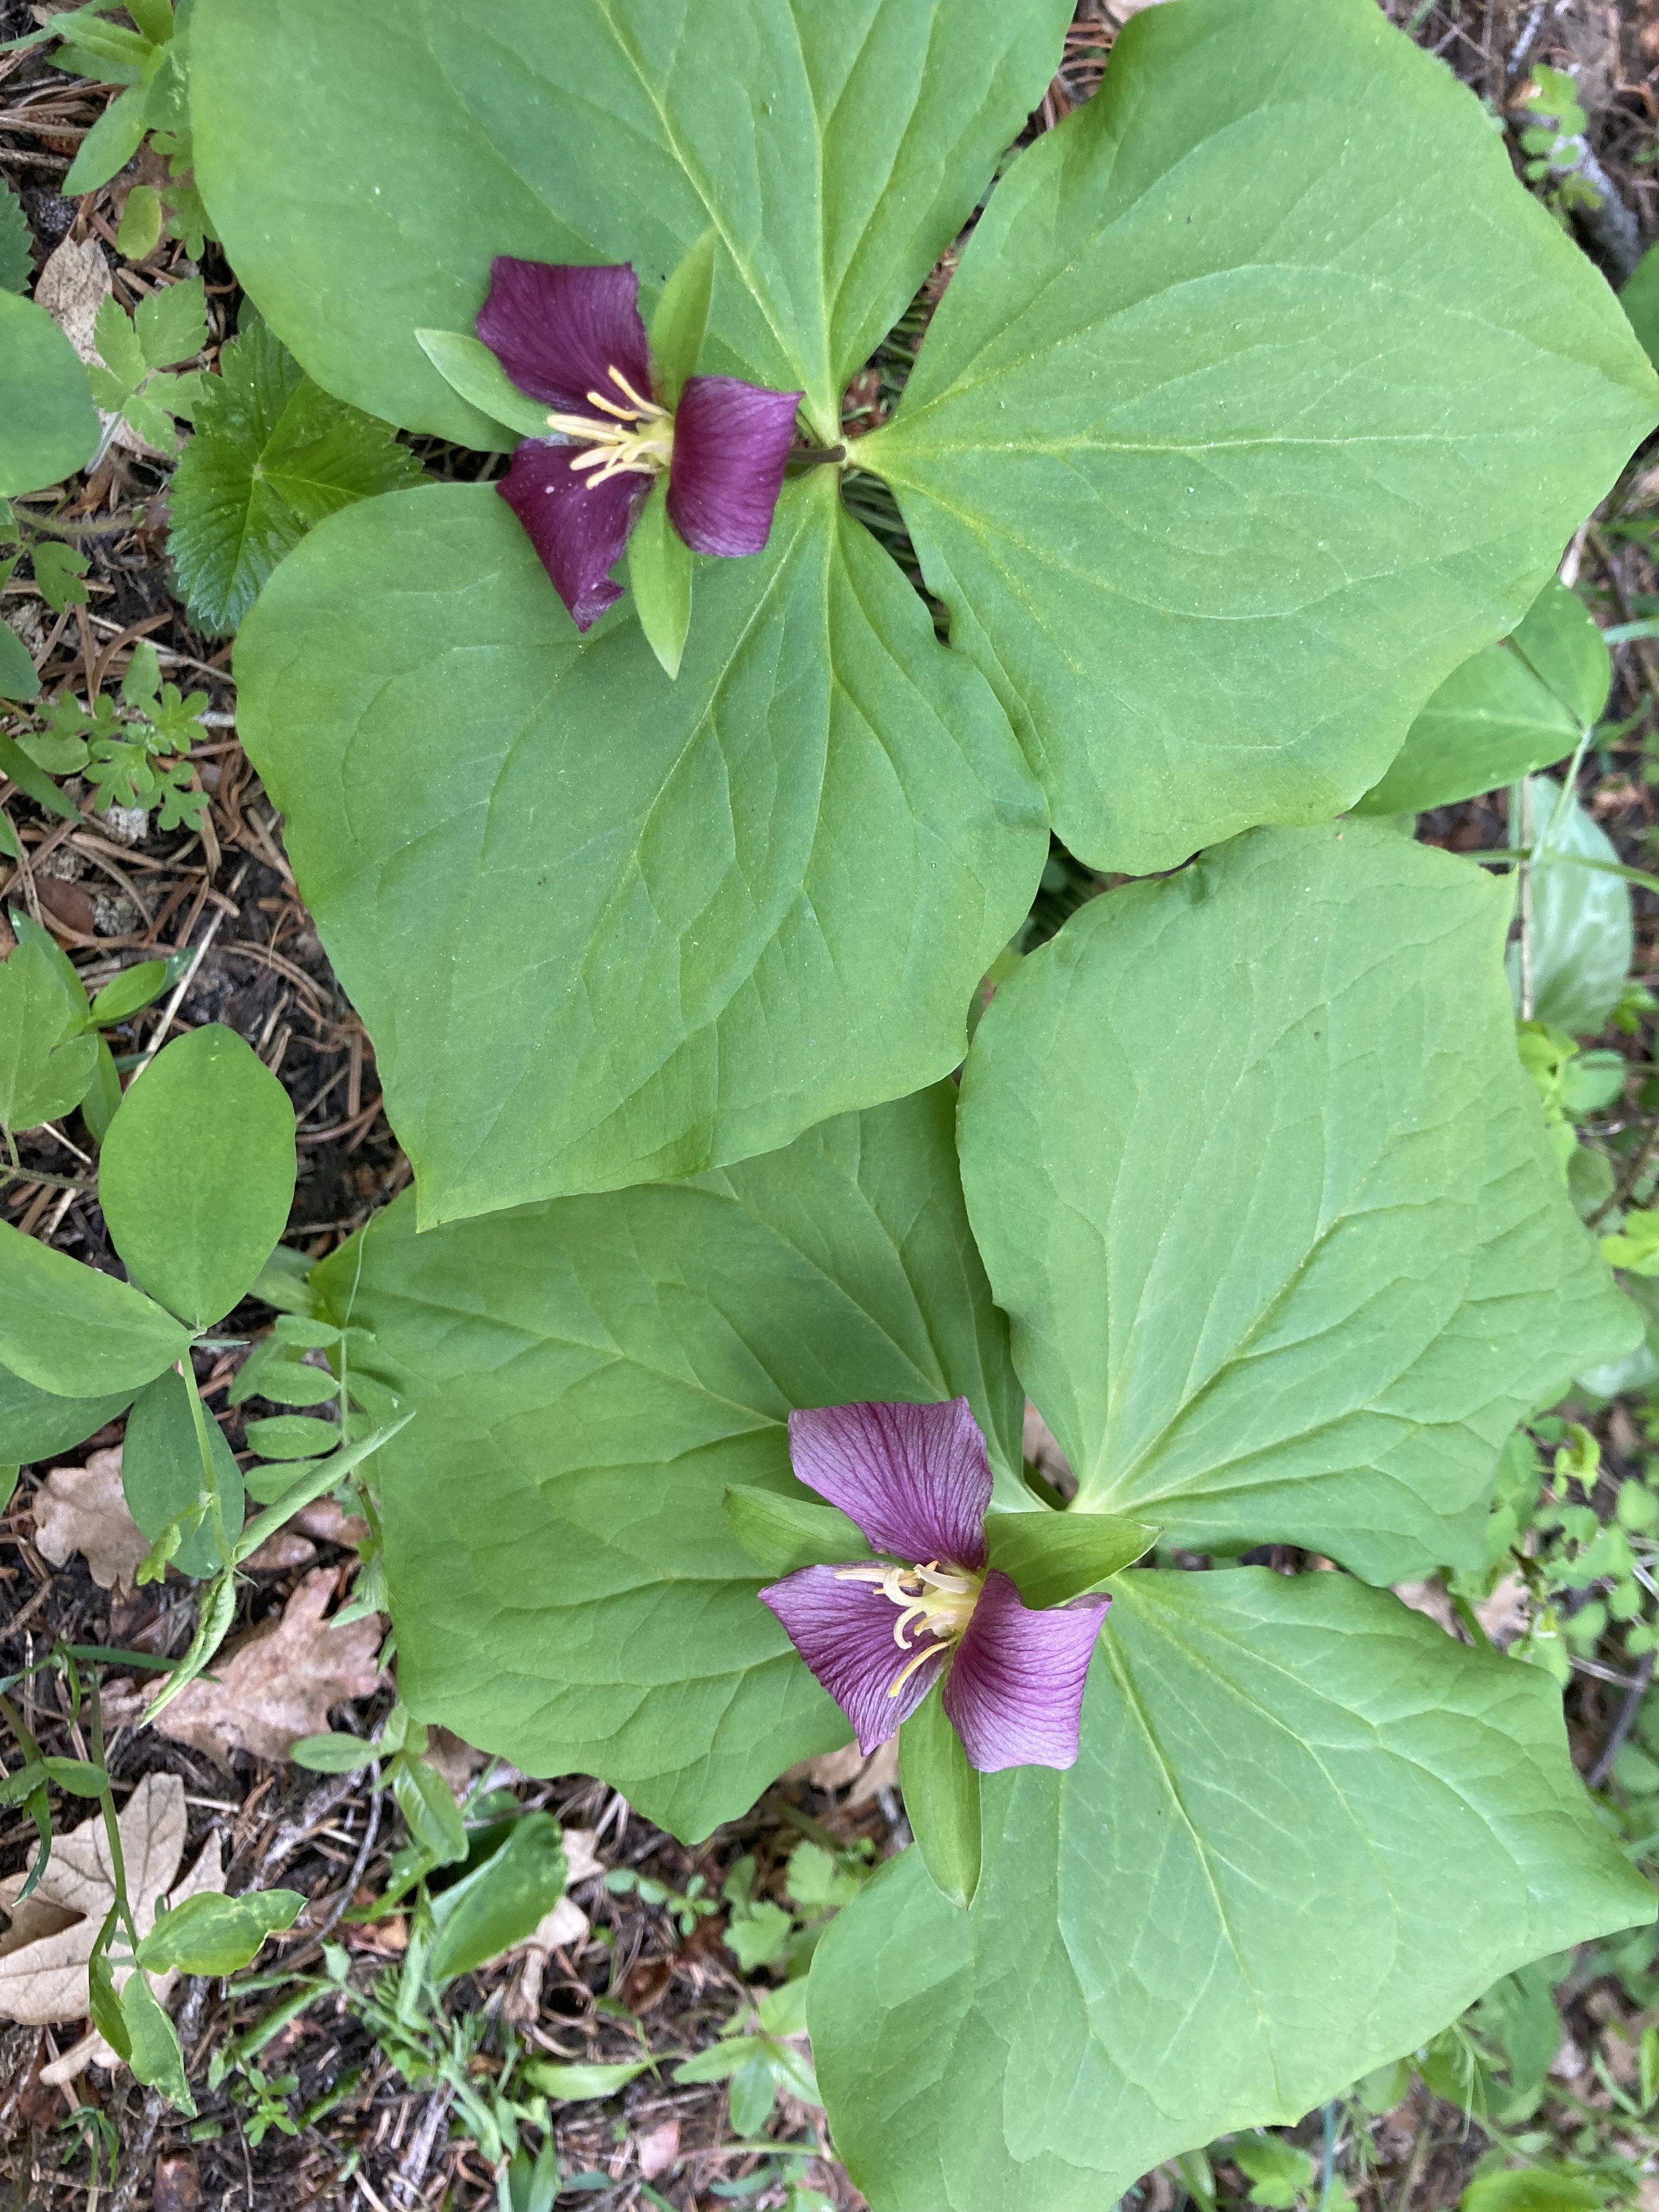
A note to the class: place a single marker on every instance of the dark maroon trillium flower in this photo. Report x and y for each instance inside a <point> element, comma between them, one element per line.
<point>573,337</point>
<point>916,1480</point>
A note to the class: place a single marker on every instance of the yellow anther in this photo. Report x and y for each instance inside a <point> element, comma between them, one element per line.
<point>940,1600</point>
<point>637,439</point>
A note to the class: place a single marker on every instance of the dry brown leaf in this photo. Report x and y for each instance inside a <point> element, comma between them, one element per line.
<point>1431,1599</point>
<point>331,1523</point>
<point>454,1759</point>
<point>281,1681</point>
<point>658,2149</point>
<point>581,1857</point>
<point>71,288</point>
<point>835,1770</point>
<point>565,1925</point>
<point>82,1509</point>
<point>43,1970</point>
<point>280,1550</point>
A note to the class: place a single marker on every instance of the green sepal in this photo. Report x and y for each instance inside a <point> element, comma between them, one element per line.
<point>1051,1557</point>
<point>941,1799</point>
<point>468,365</point>
<point>783,1534</point>
<point>681,317</point>
<point>659,572</point>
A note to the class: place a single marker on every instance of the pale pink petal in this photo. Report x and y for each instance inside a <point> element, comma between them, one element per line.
<point>1015,1690</point>
<point>915,1478</point>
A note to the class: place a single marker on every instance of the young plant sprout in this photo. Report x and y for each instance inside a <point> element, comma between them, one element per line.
<point>917,1481</point>
<point>573,337</point>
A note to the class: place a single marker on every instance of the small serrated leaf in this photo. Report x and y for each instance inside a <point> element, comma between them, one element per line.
<point>117,340</point>
<point>172,323</point>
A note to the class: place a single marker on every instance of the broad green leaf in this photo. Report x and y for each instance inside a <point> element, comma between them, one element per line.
<point>140,230</point>
<point>292,1436</point>
<point>1512,708</point>
<point>1306,1829</point>
<point>48,428</point>
<point>1531,2189</point>
<point>501,1902</point>
<point>155,2058</point>
<point>126,993</point>
<point>196,1176</point>
<point>659,577</point>
<point>1580,932</point>
<point>47,1060</point>
<point>1284,1245</point>
<point>162,1474</point>
<point>1640,301</point>
<point>37,1425</point>
<point>588,1377</point>
<point>114,138</point>
<point>208,1934</point>
<point>333,1754</point>
<point>1233,436</point>
<point>16,259</point>
<point>1052,1557</point>
<point>68,1329</point>
<point>941,1799</point>
<point>683,920</point>
<point>362,167</point>
<point>272,455</point>
<point>469,365</point>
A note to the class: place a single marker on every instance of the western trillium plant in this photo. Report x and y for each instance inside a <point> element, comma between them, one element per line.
<point>701,1471</point>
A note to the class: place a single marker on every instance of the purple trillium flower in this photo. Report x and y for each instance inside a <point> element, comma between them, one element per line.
<point>916,1480</point>
<point>573,337</point>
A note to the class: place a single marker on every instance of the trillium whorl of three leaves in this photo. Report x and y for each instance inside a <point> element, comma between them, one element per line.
<point>590,1377</point>
<point>363,168</point>
<point>1279,1235</point>
<point>603,925</point>
<point>1306,1829</point>
<point>1262,398</point>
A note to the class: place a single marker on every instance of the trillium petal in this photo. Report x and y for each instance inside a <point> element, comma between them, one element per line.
<point>558,331</point>
<point>579,528</point>
<point>731,441</point>
<point>844,1631</point>
<point>915,1478</point>
<point>1015,1688</point>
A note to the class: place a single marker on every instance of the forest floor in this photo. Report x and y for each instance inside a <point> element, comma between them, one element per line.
<point>629,1976</point>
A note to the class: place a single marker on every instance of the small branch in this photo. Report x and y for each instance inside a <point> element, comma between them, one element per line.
<point>1598,1776</point>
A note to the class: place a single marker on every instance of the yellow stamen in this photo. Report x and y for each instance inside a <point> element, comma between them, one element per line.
<point>940,1600</point>
<point>637,439</point>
